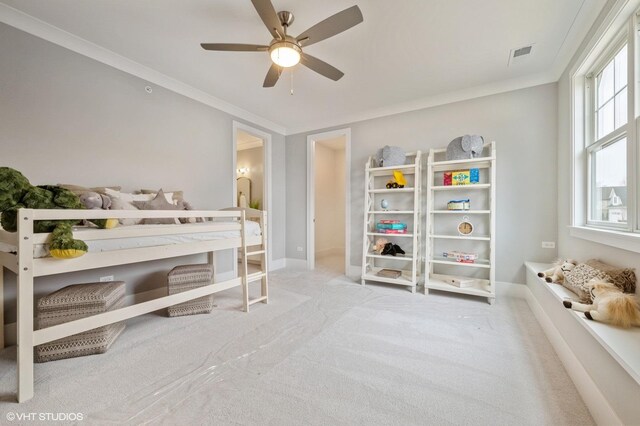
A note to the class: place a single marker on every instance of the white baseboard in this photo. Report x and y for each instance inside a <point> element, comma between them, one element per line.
<point>296,263</point>
<point>506,289</point>
<point>276,264</point>
<point>595,401</point>
<point>354,272</point>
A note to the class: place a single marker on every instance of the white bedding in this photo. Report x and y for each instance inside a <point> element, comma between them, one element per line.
<point>42,250</point>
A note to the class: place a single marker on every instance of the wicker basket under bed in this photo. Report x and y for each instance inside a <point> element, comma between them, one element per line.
<point>75,302</point>
<point>189,277</point>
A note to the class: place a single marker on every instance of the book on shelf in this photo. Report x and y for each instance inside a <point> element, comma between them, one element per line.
<point>460,282</point>
<point>391,226</point>
<point>389,273</point>
<point>389,221</point>
<point>461,257</point>
<point>392,231</point>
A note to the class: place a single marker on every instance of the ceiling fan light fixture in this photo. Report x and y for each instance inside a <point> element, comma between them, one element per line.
<point>285,53</point>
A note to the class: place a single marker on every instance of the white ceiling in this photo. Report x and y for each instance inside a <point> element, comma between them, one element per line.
<point>405,55</point>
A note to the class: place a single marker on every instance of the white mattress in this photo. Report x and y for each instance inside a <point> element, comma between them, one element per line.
<point>42,250</point>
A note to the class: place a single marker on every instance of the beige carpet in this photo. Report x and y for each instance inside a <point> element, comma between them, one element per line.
<point>324,351</point>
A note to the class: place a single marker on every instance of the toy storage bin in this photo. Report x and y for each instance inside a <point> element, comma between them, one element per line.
<point>74,302</point>
<point>188,277</point>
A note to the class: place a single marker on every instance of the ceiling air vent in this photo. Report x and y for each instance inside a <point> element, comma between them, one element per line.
<point>521,54</point>
<point>522,51</point>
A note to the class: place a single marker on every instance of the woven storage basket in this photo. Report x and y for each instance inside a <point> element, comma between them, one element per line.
<point>188,277</point>
<point>75,302</point>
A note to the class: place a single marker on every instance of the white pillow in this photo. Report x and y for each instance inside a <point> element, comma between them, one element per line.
<point>119,204</point>
<point>130,198</point>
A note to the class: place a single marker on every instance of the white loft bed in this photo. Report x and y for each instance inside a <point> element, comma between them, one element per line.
<point>221,230</point>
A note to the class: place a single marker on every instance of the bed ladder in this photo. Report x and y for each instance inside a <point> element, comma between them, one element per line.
<point>261,275</point>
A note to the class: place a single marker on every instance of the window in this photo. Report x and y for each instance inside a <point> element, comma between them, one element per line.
<point>607,148</point>
<point>605,155</point>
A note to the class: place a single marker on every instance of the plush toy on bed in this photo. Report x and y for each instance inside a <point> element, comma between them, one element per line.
<point>556,273</point>
<point>95,201</point>
<point>16,192</point>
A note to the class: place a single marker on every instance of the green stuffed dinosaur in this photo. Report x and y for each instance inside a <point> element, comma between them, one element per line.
<point>16,192</point>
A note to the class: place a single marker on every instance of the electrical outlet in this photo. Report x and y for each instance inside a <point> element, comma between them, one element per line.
<point>106,279</point>
<point>549,244</point>
<point>300,249</point>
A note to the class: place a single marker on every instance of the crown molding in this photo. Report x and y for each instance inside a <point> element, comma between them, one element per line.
<point>583,21</point>
<point>430,102</point>
<point>34,26</point>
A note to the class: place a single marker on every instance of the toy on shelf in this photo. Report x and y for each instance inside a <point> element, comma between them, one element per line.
<point>460,256</point>
<point>379,245</point>
<point>384,204</point>
<point>465,147</point>
<point>462,177</point>
<point>398,180</point>
<point>390,156</point>
<point>384,247</point>
<point>459,204</point>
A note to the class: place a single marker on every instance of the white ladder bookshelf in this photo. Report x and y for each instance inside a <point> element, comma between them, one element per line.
<point>409,198</point>
<point>478,278</point>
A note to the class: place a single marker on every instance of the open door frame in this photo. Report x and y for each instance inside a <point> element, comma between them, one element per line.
<point>311,194</point>
<point>266,191</point>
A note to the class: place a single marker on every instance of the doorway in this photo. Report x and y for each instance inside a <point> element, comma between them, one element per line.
<point>328,228</point>
<point>252,179</point>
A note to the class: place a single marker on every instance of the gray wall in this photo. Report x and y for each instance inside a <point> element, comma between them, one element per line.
<point>524,125</point>
<point>68,119</point>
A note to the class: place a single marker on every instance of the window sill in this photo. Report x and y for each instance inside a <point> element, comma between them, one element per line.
<point>622,240</point>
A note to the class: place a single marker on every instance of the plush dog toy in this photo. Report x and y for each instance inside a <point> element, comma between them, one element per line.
<point>16,192</point>
<point>379,245</point>
<point>392,249</point>
<point>609,305</point>
<point>556,273</point>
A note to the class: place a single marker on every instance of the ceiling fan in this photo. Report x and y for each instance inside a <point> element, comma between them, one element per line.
<point>285,50</point>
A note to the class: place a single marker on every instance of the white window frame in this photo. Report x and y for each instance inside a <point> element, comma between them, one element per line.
<point>618,28</point>
<point>592,145</point>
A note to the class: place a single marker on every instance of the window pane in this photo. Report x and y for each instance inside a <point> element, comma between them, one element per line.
<point>605,119</point>
<point>605,85</point>
<point>621,69</point>
<point>609,184</point>
<point>621,108</point>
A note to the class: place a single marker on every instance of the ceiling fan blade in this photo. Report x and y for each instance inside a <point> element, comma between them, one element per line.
<point>272,76</point>
<point>269,17</point>
<point>235,47</point>
<point>331,26</point>
<point>321,67</point>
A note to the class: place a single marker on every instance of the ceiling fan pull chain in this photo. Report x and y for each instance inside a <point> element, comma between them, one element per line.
<point>291,74</point>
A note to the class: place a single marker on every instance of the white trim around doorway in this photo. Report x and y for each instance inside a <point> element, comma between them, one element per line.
<point>266,202</point>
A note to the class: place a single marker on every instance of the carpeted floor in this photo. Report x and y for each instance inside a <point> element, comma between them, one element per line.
<point>324,351</point>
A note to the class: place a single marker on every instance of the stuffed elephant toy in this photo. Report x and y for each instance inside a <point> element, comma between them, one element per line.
<point>94,200</point>
<point>390,156</point>
<point>465,147</point>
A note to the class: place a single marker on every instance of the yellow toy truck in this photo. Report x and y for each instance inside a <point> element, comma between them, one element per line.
<point>398,180</point>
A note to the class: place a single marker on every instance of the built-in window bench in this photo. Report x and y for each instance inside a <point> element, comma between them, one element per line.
<point>602,360</point>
